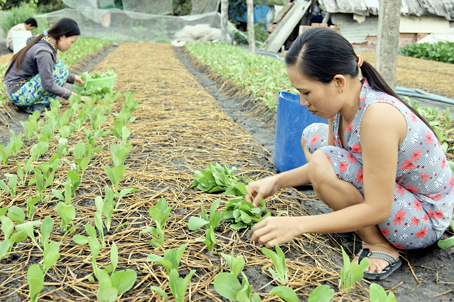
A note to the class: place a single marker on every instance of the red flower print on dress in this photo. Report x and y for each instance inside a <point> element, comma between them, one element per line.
<point>437,196</point>
<point>431,214</point>
<point>416,155</point>
<point>451,182</point>
<point>439,214</point>
<point>422,232</point>
<point>339,143</point>
<point>315,138</point>
<point>425,218</point>
<point>362,98</point>
<point>413,118</point>
<point>329,158</point>
<point>443,162</point>
<point>351,158</point>
<point>417,205</point>
<point>429,139</point>
<point>399,217</point>
<point>412,189</point>
<point>349,128</point>
<point>399,246</point>
<point>356,148</point>
<point>425,176</point>
<point>385,232</point>
<point>380,98</point>
<point>359,175</point>
<point>343,166</point>
<point>400,190</point>
<point>407,165</point>
<point>415,220</point>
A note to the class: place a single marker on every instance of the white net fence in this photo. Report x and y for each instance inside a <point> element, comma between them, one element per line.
<point>134,20</point>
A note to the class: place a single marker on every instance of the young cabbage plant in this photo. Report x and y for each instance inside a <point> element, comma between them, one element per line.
<point>114,149</point>
<point>171,258</point>
<point>16,142</point>
<point>287,294</point>
<point>10,238</point>
<point>28,229</point>
<point>47,226</point>
<point>118,125</point>
<point>351,272</point>
<point>278,260</point>
<point>378,294</point>
<point>97,118</point>
<point>117,283</point>
<point>322,293</point>
<point>29,128</point>
<point>215,178</point>
<point>98,219</point>
<point>81,160</point>
<point>35,278</point>
<point>45,134</point>
<point>62,147</point>
<point>22,173</point>
<point>242,213</point>
<point>211,223</point>
<point>5,153</point>
<point>41,182</point>
<point>92,241</point>
<point>228,286</point>
<point>38,150</point>
<point>236,265</point>
<point>448,242</point>
<point>108,206</point>
<point>12,184</point>
<point>160,212</point>
<point>115,174</point>
<point>178,286</point>
<point>31,206</point>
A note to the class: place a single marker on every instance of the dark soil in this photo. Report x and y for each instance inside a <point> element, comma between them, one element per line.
<point>426,275</point>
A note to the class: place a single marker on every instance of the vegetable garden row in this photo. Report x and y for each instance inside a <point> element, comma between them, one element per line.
<point>115,198</point>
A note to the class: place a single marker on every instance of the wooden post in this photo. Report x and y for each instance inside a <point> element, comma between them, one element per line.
<point>224,20</point>
<point>387,48</point>
<point>250,25</point>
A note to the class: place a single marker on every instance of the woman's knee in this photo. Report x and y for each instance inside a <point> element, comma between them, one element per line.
<point>314,137</point>
<point>320,169</point>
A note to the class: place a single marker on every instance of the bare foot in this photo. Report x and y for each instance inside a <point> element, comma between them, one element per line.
<point>377,265</point>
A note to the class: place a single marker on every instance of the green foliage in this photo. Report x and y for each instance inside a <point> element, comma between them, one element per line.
<point>378,294</point>
<point>118,282</point>
<point>263,77</point>
<point>228,286</point>
<point>236,265</point>
<point>322,293</point>
<point>35,280</point>
<point>440,51</point>
<point>286,293</point>
<point>448,242</point>
<point>351,272</point>
<point>211,223</point>
<point>243,213</point>
<point>16,15</point>
<point>278,259</point>
<point>171,258</point>
<point>160,212</point>
<point>217,178</point>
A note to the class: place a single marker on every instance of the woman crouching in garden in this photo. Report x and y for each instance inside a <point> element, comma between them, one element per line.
<point>378,164</point>
<point>35,75</point>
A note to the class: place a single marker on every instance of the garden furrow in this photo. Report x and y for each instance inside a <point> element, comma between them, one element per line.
<point>179,128</point>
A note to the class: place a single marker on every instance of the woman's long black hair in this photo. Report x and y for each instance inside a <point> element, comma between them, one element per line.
<point>321,53</point>
<point>64,27</point>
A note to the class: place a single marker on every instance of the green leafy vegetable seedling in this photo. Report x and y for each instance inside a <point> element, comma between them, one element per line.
<point>160,212</point>
<point>242,213</point>
<point>378,294</point>
<point>171,258</point>
<point>322,293</point>
<point>211,223</point>
<point>228,286</point>
<point>278,259</point>
<point>351,272</point>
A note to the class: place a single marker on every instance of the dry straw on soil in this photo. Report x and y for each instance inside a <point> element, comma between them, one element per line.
<point>179,128</point>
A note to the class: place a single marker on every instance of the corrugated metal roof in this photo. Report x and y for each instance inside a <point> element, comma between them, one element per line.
<point>420,8</point>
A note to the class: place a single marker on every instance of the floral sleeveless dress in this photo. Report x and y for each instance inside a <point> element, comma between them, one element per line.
<point>423,197</point>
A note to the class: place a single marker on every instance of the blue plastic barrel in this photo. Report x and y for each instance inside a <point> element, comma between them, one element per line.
<point>291,119</point>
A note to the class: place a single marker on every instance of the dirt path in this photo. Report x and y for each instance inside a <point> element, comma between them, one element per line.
<point>180,128</point>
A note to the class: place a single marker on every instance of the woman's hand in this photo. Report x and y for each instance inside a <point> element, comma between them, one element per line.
<point>261,189</point>
<point>278,230</point>
<point>78,81</point>
<point>82,98</point>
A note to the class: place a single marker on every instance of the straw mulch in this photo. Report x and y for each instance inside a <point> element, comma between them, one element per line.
<point>179,128</point>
